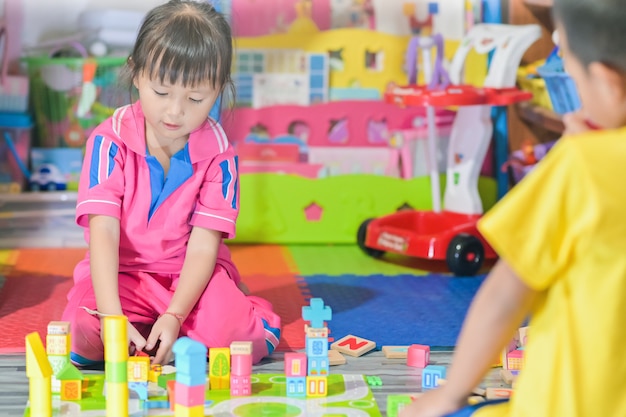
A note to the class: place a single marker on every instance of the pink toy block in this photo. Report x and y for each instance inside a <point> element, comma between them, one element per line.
<point>295,364</point>
<point>240,385</point>
<point>514,359</point>
<point>418,356</point>
<point>241,365</point>
<point>189,396</point>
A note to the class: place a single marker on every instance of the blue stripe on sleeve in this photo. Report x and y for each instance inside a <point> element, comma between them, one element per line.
<point>236,186</point>
<point>97,172</point>
<point>226,177</point>
<point>94,168</point>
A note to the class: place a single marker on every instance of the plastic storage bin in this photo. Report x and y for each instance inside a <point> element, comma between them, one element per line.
<point>559,84</point>
<point>60,86</point>
<point>15,142</point>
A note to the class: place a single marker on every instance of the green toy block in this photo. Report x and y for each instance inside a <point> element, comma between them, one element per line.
<point>396,402</point>
<point>162,379</point>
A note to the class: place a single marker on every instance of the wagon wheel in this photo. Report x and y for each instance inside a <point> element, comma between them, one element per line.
<point>465,255</point>
<point>360,240</point>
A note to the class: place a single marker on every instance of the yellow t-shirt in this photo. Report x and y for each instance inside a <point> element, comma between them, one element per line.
<point>563,231</point>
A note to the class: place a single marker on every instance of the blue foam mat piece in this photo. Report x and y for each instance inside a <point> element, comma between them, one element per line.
<point>396,310</point>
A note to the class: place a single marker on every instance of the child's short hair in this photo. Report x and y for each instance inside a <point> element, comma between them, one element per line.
<point>183,41</point>
<point>595,29</point>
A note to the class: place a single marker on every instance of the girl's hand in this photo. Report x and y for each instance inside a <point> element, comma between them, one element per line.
<point>165,331</point>
<point>434,403</point>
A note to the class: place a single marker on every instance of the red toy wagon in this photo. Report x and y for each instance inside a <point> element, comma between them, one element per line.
<point>450,233</point>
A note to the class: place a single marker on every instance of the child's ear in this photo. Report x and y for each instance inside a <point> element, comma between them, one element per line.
<point>610,82</point>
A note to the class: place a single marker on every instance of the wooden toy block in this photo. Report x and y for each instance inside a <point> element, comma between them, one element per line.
<point>317,332</point>
<point>190,360</point>
<point>316,386</point>
<point>71,390</point>
<point>418,356</point>
<point>316,346</point>
<point>507,376</point>
<point>295,364</point>
<point>295,386</point>
<point>171,392</point>
<point>240,385</point>
<point>140,388</point>
<point>479,391</point>
<point>317,365</point>
<point>58,327</point>
<point>431,376</point>
<point>189,396</point>
<point>335,358</point>
<point>219,382</point>
<point>219,368</point>
<point>316,313</point>
<point>395,352</point>
<point>39,373</point>
<point>71,382</point>
<point>183,411</point>
<point>514,359</point>
<point>138,368</point>
<point>241,348</point>
<point>498,393</point>
<point>154,373</point>
<point>353,345</point>
<point>58,344</point>
<point>396,402</point>
<point>241,365</point>
<point>475,399</point>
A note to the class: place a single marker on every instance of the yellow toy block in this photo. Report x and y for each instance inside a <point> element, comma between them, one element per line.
<point>138,368</point>
<point>219,368</point>
<point>155,371</point>
<point>184,411</point>
<point>353,345</point>
<point>39,373</point>
<point>71,390</point>
<point>316,386</point>
<point>58,344</point>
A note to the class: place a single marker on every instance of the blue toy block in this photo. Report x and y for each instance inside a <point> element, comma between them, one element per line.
<point>317,313</point>
<point>295,386</point>
<point>317,346</point>
<point>433,7</point>
<point>317,365</point>
<point>431,376</point>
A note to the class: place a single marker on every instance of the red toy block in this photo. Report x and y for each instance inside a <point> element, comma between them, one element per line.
<point>418,356</point>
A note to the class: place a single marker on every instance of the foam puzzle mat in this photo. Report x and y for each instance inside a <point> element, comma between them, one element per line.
<point>348,395</point>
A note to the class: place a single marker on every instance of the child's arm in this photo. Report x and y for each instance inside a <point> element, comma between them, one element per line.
<point>498,309</point>
<point>104,243</point>
<point>197,270</point>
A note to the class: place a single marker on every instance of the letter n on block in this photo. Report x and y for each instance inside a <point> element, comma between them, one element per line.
<point>353,345</point>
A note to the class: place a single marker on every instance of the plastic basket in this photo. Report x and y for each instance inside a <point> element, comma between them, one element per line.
<point>559,84</point>
<point>61,87</point>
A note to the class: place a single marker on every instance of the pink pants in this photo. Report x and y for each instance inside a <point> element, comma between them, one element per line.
<point>222,315</point>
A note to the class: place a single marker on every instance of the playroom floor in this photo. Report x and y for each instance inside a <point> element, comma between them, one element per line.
<point>396,377</point>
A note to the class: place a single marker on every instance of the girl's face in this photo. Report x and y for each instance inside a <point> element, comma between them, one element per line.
<point>173,111</point>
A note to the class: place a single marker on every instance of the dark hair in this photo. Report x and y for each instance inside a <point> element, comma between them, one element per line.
<point>183,41</point>
<point>595,30</point>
